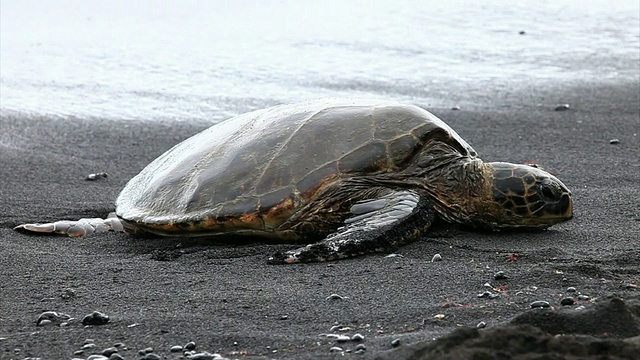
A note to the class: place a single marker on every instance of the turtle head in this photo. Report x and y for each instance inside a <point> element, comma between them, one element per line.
<point>523,196</point>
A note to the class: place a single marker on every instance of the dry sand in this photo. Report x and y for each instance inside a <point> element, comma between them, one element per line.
<point>160,292</point>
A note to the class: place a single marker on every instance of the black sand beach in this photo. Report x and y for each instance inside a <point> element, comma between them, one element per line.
<point>161,292</point>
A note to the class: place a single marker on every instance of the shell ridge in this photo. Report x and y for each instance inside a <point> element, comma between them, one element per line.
<point>286,142</point>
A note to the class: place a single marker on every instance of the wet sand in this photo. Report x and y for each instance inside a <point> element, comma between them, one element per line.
<point>161,292</point>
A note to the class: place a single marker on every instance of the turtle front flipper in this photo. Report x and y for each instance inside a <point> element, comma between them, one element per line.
<point>395,218</point>
<point>75,228</point>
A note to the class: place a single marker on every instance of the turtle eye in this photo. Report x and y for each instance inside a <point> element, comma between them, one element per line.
<point>548,191</point>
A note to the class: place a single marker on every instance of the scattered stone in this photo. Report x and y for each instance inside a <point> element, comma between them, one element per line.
<point>567,301</point>
<point>206,356</point>
<point>88,346</point>
<point>394,255</point>
<point>335,349</point>
<point>359,351</point>
<point>614,141</point>
<point>97,176</point>
<point>335,328</point>
<point>97,357</point>
<point>95,318</point>
<point>145,351</point>
<point>562,107</point>
<point>68,294</point>
<point>455,107</point>
<point>540,304</point>
<point>571,289</point>
<point>361,347</point>
<point>481,325</point>
<point>78,352</point>
<point>583,297</point>
<point>335,297</point>
<point>284,317</point>
<point>176,348</point>
<point>357,337</point>
<point>500,275</point>
<point>522,32</point>
<point>115,356</point>
<point>342,338</point>
<point>395,342</point>
<point>190,345</point>
<point>108,351</point>
<point>488,295</point>
<point>151,356</point>
<point>51,317</point>
<point>436,257</point>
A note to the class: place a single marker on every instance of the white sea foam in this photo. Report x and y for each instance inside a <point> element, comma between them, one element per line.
<point>209,60</point>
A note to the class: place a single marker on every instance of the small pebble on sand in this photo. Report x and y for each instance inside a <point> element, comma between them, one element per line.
<point>49,317</point>
<point>97,357</point>
<point>540,304</point>
<point>567,301</point>
<point>95,318</point>
<point>562,107</point>
<point>500,275</point>
<point>108,351</point>
<point>97,176</point>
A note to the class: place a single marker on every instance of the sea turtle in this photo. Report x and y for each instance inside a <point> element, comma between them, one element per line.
<point>345,177</point>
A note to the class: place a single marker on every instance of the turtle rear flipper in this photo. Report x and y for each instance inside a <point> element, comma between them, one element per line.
<point>76,228</point>
<point>377,225</point>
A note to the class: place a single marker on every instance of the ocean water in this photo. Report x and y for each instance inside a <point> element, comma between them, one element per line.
<point>208,60</point>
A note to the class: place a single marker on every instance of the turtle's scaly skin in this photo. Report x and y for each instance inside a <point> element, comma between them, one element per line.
<point>358,176</point>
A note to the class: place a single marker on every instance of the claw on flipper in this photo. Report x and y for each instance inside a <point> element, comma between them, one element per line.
<point>80,227</point>
<point>289,257</point>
